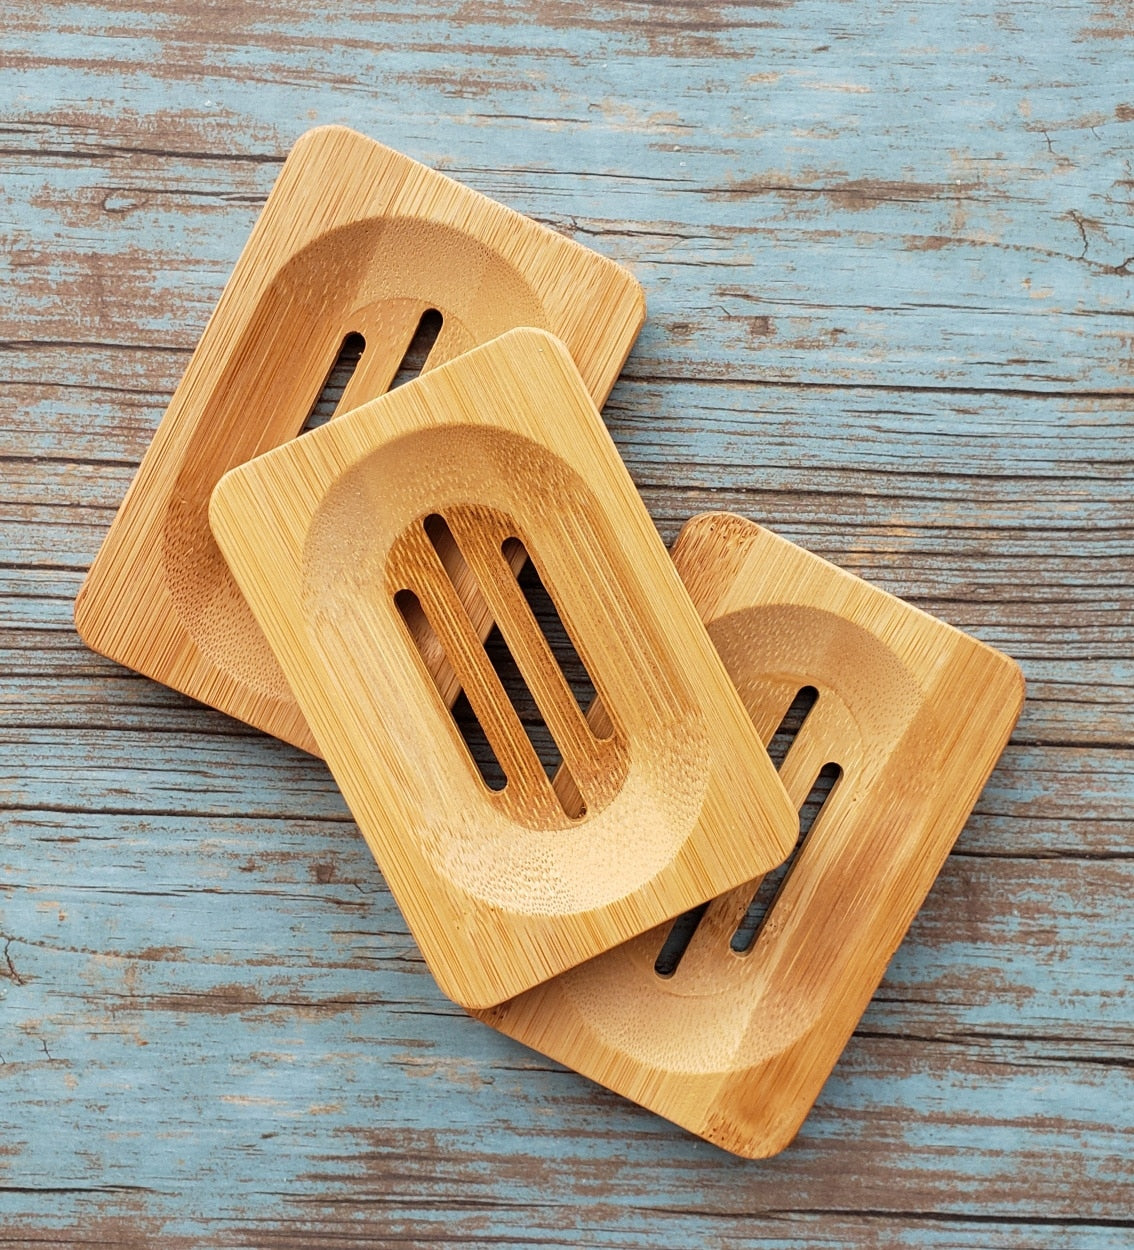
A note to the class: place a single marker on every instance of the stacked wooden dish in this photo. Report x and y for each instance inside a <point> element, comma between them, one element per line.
<point>336,589</point>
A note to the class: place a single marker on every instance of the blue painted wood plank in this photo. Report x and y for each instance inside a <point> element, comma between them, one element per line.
<point>196,1025</point>
<point>887,253</point>
<point>758,187</point>
<point>214,901</point>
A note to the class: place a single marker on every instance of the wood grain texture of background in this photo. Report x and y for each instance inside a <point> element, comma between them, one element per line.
<point>889,257</point>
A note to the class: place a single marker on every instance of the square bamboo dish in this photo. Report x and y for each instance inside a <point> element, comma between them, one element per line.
<point>734,1039</point>
<point>360,549</point>
<point>354,239</point>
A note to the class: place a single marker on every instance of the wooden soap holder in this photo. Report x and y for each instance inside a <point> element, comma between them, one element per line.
<point>364,564</point>
<point>355,240</point>
<point>732,1029</point>
<point>360,548</point>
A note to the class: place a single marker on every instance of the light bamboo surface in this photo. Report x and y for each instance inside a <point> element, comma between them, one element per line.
<point>354,238</point>
<point>736,1046</point>
<point>328,536</point>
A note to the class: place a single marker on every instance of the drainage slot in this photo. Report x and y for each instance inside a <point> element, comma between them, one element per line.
<point>479,748</point>
<point>468,726</point>
<point>547,617</point>
<point>677,941</point>
<point>535,727</point>
<point>788,728</point>
<point>537,737</point>
<point>422,343</point>
<point>456,567</point>
<point>817,798</point>
<point>340,374</point>
<point>749,928</point>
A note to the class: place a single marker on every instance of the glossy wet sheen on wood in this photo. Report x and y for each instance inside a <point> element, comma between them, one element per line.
<point>885,252</point>
<point>327,533</point>
<point>736,1044</point>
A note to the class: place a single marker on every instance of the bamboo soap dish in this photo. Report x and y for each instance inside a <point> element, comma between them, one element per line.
<point>354,239</point>
<point>733,1030</point>
<point>360,548</point>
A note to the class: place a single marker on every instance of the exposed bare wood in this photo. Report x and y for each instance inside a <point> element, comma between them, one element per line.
<point>354,239</point>
<point>326,534</point>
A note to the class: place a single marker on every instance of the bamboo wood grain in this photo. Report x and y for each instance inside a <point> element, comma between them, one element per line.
<point>327,534</point>
<point>354,238</point>
<point>736,1046</point>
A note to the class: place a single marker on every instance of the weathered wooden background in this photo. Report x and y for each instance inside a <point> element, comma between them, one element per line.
<point>889,254</point>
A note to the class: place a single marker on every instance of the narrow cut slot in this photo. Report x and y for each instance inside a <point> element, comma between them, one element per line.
<point>417,353</point>
<point>479,748</point>
<point>677,941</point>
<point>540,740</point>
<point>788,729</point>
<point>456,567</point>
<point>764,899</point>
<point>571,666</point>
<point>464,718</point>
<point>539,735</point>
<point>338,378</point>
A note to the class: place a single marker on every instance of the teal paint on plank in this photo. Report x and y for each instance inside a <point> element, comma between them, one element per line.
<point>928,197</point>
<point>856,151</point>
